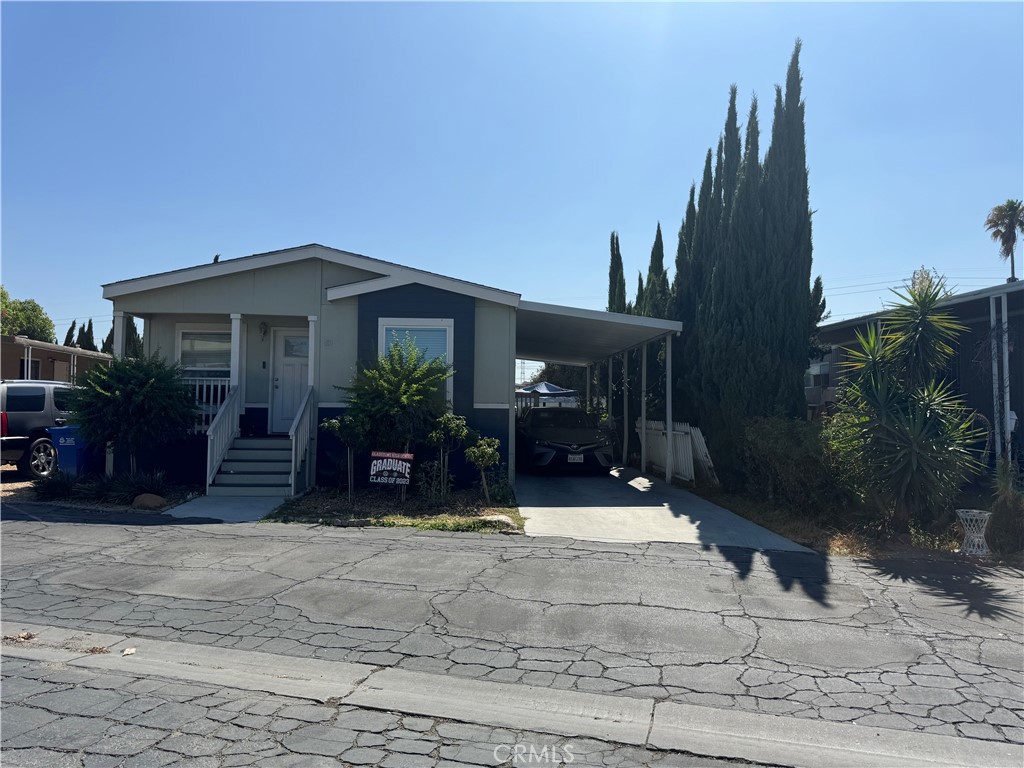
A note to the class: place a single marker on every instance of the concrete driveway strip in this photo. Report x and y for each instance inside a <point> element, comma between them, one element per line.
<point>625,506</point>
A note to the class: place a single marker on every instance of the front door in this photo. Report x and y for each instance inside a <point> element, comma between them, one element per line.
<point>290,376</point>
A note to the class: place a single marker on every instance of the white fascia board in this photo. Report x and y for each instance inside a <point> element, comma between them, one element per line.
<point>596,314</point>
<point>206,271</point>
<point>399,274</point>
<point>365,286</point>
<point>403,276</point>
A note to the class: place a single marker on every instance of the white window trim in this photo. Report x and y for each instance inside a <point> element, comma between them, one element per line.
<point>180,328</point>
<point>423,322</point>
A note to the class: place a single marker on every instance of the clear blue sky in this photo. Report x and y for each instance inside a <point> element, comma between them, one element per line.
<point>497,143</point>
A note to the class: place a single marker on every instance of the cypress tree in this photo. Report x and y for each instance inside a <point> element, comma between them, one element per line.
<point>69,337</point>
<point>80,339</point>
<point>108,342</point>
<point>732,150</point>
<point>705,225</point>
<point>132,341</point>
<point>636,306</point>
<point>616,278</point>
<point>682,310</point>
<point>656,294</point>
<point>705,308</point>
<point>787,227</point>
<point>90,340</point>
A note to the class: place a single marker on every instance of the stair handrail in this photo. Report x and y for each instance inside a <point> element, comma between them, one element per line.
<point>221,433</point>
<point>300,434</point>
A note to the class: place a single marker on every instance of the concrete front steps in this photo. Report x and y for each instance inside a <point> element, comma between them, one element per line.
<point>255,466</point>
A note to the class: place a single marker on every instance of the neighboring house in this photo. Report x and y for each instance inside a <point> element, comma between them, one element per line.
<point>265,340</point>
<point>25,358</point>
<point>987,366</point>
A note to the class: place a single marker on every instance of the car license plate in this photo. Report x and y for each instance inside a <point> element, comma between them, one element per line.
<point>575,458</point>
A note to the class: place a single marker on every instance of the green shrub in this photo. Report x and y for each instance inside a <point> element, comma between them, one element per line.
<point>57,486</point>
<point>92,488</point>
<point>433,482</point>
<point>502,492</point>
<point>140,402</point>
<point>484,454</point>
<point>785,461</point>
<point>124,488</point>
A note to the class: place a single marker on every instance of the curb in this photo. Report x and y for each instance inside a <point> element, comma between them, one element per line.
<point>663,725</point>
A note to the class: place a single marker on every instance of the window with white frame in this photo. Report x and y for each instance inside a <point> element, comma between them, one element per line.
<point>432,336</point>
<point>205,353</point>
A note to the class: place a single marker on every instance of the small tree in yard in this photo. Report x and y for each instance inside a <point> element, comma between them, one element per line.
<point>483,455</point>
<point>448,434</point>
<point>138,402</point>
<point>908,442</point>
<point>393,403</point>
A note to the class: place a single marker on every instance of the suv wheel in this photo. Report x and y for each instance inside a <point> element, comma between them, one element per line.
<point>40,460</point>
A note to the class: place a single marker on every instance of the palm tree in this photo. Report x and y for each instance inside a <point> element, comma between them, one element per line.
<point>1004,222</point>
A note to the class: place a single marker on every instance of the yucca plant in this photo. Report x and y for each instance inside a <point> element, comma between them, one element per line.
<point>913,437</point>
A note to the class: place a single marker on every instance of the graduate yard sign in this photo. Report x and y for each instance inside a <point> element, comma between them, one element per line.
<point>390,468</point>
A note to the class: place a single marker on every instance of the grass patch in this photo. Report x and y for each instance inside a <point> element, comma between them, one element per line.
<point>464,511</point>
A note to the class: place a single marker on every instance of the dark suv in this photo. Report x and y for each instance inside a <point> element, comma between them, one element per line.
<point>27,410</point>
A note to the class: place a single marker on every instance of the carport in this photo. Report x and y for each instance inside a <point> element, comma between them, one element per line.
<point>587,337</point>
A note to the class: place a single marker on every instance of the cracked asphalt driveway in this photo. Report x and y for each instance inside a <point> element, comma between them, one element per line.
<point>904,644</point>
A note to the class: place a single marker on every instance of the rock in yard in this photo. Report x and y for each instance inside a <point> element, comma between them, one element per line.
<point>149,501</point>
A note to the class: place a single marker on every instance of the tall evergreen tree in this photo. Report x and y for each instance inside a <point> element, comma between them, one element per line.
<point>80,339</point>
<point>656,292</point>
<point>132,340</point>
<point>634,307</point>
<point>787,240</point>
<point>705,225</point>
<point>108,342</point>
<point>69,337</point>
<point>732,152</point>
<point>90,339</point>
<point>683,311</point>
<point>616,278</point>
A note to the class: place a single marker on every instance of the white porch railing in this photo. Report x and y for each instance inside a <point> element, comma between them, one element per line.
<point>682,448</point>
<point>221,432</point>
<point>301,434</point>
<point>209,395</point>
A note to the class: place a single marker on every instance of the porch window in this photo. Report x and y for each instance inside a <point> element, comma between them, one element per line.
<point>206,354</point>
<point>205,358</point>
<point>432,336</point>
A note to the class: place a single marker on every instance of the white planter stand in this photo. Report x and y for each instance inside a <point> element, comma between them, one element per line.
<point>974,522</point>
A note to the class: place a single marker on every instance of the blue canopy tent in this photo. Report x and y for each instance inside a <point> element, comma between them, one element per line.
<point>544,393</point>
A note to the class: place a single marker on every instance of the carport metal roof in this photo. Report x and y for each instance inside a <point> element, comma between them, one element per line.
<point>573,336</point>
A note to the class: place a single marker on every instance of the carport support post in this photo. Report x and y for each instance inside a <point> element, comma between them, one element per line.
<point>607,395</point>
<point>997,416</point>
<point>669,458</point>
<point>588,388</point>
<point>625,408</point>
<point>643,409</point>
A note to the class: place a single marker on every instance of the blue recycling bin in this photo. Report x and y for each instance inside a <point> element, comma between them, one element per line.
<point>71,449</point>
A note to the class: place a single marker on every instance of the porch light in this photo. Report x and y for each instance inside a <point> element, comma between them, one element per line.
<point>263,331</point>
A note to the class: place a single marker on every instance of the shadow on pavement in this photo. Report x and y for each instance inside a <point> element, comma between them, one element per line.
<point>807,570</point>
<point>958,584</point>
<point>45,513</point>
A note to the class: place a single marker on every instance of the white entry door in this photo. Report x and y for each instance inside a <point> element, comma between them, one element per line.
<point>290,376</point>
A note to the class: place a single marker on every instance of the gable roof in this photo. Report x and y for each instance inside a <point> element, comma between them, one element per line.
<point>548,332</point>
<point>391,275</point>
